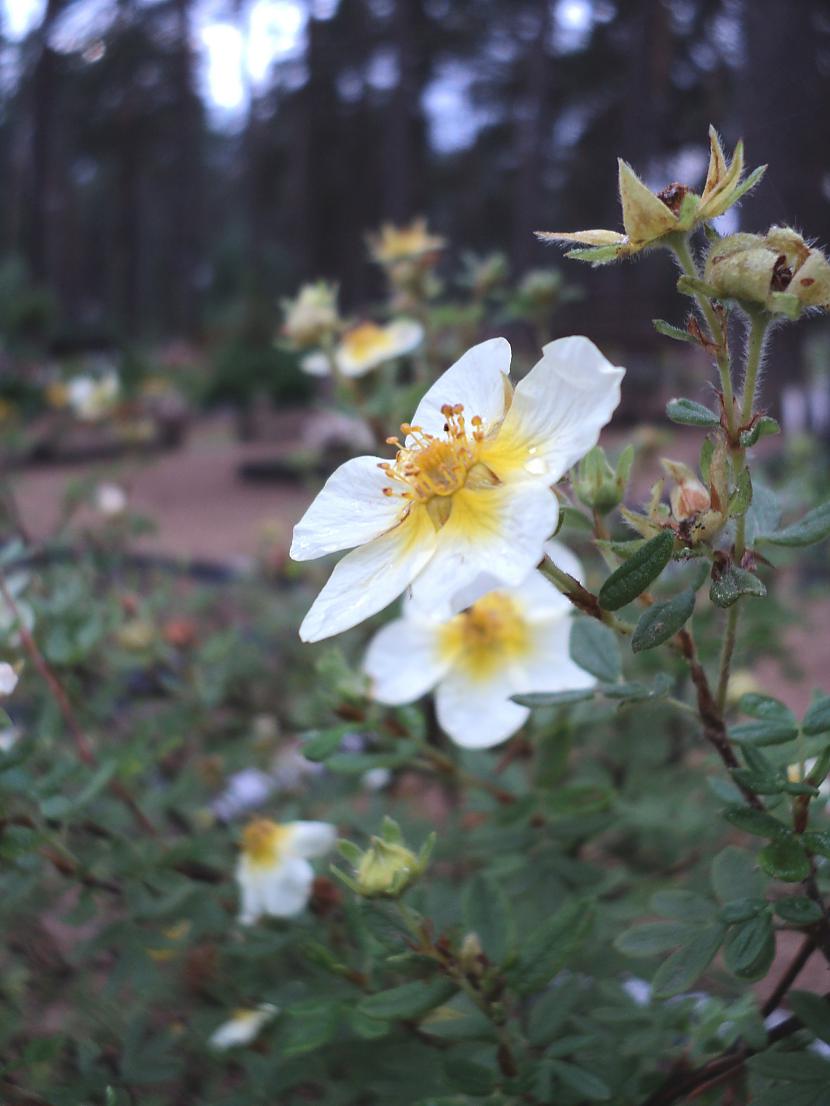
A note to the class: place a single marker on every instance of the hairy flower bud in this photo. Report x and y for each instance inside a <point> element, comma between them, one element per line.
<point>778,271</point>
<point>597,484</point>
<point>312,319</point>
<point>388,867</point>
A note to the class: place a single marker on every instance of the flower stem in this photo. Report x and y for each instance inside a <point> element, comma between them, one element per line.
<point>680,247</point>
<point>585,600</point>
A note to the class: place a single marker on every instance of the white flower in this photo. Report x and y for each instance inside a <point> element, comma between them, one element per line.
<point>110,500</point>
<point>312,316</point>
<point>469,490</point>
<point>491,645</point>
<point>8,679</point>
<point>274,875</point>
<point>366,346</point>
<point>243,1026</point>
<point>92,398</point>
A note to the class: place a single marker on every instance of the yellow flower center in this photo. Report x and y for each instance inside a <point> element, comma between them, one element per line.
<point>432,469</point>
<point>490,634</point>
<point>365,341</point>
<point>262,841</point>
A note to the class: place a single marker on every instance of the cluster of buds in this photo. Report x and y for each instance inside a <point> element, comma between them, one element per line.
<point>387,868</point>
<point>598,485</point>
<point>312,320</point>
<point>408,255</point>
<point>650,218</point>
<point>697,511</point>
<point>778,272</point>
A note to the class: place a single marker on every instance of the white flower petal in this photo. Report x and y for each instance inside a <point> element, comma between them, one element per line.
<point>565,559</point>
<point>311,838</point>
<point>557,412</point>
<point>315,364</point>
<point>403,660</point>
<point>8,678</point>
<point>499,531</point>
<point>539,600</point>
<point>349,510</point>
<point>369,578</point>
<point>287,893</point>
<point>243,1027</point>
<point>549,667</point>
<point>478,714</point>
<point>478,380</point>
<point>406,335</point>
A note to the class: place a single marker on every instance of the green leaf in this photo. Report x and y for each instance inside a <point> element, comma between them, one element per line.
<point>785,859</point>
<point>585,1083</point>
<point>812,528</point>
<point>652,938</point>
<point>547,949</point>
<point>797,1067</point>
<point>766,708</point>
<point>765,427</point>
<point>679,335</point>
<point>596,255</point>
<point>321,744</point>
<point>552,698</point>
<point>741,910</point>
<point>817,718</point>
<point>814,1011</point>
<point>741,497</point>
<point>595,648</point>
<point>685,906</point>
<point>756,822</point>
<point>355,764</point>
<point>763,733</point>
<point>688,413</point>
<point>732,583</point>
<point>552,1009</point>
<point>750,947</point>
<point>685,966</point>
<point>763,515</point>
<point>487,912</point>
<point>632,578</point>
<point>309,1025</point>
<point>408,1001</point>
<point>734,875</point>
<point>469,1077</point>
<point>799,910</point>
<point>817,841</point>
<point>662,621</point>
<point>638,692</point>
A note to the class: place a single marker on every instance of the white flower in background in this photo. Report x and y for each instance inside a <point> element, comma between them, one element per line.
<point>8,679</point>
<point>366,346</point>
<point>312,317</point>
<point>243,1026</point>
<point>490,645</point>
<point>274,875</point>
<point>376,779</point>
<point>393,244</point>
<point>469,490</point>
<point>93,397</point>
<point>110,500</point>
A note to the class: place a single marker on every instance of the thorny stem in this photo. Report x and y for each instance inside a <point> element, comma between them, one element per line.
<point>680,246</point>
<point>83,748</point>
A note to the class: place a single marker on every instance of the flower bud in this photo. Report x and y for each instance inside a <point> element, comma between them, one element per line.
<point>387,868</point>
<point>312,318</point>
<point>598,485</point>
<point>698,513</point>
<point>777,271</point>
<point>471,956</point>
